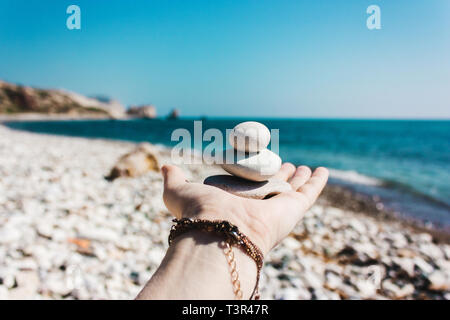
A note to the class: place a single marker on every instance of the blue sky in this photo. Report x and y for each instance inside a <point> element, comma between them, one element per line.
<point>238,58</point>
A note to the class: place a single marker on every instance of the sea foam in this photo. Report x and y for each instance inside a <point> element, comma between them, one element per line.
<point>354,177</point>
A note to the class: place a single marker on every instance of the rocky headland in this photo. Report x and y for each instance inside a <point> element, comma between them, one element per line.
<point>23,102</point>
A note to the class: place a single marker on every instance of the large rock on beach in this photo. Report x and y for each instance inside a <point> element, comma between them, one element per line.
<point>135,163</point>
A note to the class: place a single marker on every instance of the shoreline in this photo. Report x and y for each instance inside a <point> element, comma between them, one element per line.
<point>50,117</point>
<point>61,217</point>
<point>344,198</point>
<point>335,194</point>
<point>65,117</point>
<point>62,116</point>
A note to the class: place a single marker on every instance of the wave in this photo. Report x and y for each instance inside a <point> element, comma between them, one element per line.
<point>374,185</point>
<point>355,177</point>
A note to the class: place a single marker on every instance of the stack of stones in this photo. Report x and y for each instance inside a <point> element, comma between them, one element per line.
<point>252,166</point>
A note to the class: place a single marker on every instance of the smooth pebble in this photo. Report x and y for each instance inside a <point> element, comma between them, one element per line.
<point>249,136</point>
<point>255,166</point>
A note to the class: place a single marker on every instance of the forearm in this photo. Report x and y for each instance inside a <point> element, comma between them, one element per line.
<point>195,267</point>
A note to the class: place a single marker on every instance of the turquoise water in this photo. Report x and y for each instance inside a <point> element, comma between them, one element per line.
<point>406,163</point>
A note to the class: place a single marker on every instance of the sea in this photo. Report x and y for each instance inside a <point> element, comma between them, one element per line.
<point>405,163</point>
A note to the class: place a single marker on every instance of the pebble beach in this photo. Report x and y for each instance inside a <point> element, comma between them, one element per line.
<point>68,233</point>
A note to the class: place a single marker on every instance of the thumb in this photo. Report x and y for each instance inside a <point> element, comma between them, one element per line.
<point>173,177</point>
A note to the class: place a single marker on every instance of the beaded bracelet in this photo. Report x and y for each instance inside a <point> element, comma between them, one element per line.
<point>232,237</point>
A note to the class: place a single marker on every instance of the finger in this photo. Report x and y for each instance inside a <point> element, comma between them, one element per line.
<point>173,177</point>
<point>286,171</point>
<point>314,186</point>
<point>302,174</point>
<point>293,205</point>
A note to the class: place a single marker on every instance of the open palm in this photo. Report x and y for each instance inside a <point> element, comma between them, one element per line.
<point>265,222</point>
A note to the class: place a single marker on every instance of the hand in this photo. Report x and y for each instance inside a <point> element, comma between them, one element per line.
<point>265,222</point>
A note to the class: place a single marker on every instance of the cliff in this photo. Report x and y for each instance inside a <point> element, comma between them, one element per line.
<point>16,99</point>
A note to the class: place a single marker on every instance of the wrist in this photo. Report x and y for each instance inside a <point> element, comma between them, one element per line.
<point>230,237</point>
<point>254,229</point>
<point>195,267</point>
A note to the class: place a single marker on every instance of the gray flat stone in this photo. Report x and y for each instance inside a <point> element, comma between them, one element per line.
<point>248,189</point>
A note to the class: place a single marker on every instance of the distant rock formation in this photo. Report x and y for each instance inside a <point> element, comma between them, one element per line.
<point>174,114</point>
<point>144,111</point>
<point>112,107</point>
<point>21,99</point>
